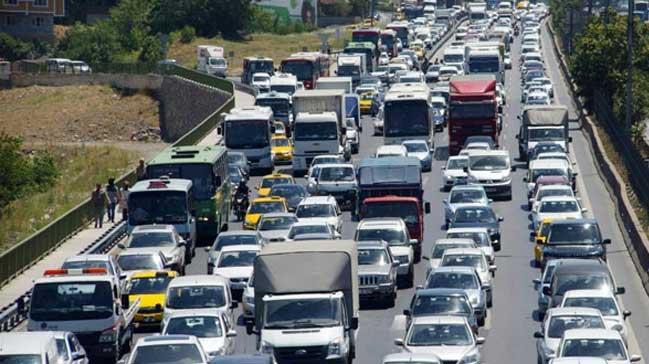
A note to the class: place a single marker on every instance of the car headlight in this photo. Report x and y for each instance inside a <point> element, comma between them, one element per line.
<point>384,279</point>
<point>215,353</point>
<point>475,300</point>
<point>335,348</point>
<point>266,348</point>
<point>473,357</point>
<point>171,258</point>
<point>506,178</point>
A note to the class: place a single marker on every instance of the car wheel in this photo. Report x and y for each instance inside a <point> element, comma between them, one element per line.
<point>481,321</point>
<point>410,280</point>
<point>490,300</point>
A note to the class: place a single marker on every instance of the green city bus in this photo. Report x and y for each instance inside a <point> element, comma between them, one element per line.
<point>207,168</point>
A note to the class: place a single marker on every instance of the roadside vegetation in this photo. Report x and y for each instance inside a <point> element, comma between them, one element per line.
<point>61,178</point>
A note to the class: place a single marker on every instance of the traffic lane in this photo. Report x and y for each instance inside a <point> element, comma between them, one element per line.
<point>603,209</point>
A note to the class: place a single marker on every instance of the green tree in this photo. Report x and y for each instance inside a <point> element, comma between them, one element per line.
<point>151,50</point>
<point>131,21</point>
<point>208,17</point>
<point>13,49</point>
<point>94,44</point>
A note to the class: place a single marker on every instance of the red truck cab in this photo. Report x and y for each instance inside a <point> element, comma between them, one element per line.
<point>473,109</point>
<point>409,209</point>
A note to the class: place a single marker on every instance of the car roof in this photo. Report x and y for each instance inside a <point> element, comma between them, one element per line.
<point>467,187</point>
<point>467,230</point>
<point>579,360</point>
<point>140,251</point>
<point>318,200</point>
<point>88,257</point>
<point>440,292</point>
<point>238,233</point>
<point>548,163</point>
<point>464,251</point>
<point>439,320</point>
<point>153,273</point>
<point>166,340</point>
<point>238,248</point>
<point>381,222</point>
<point>454,157</point>
<point>244,359</point>
<point>444,241</point>
<point>22,342</point>
<point>153,227</point>
<point>406,357</point>
<point>593,334</point>
<point>555,187</point>
<point>199,280</point>
<point>558,198</point>
<point>588,293</point>
<point>573,311</point>
<point>568,266</point>
<point>277,175</point>
<point>310,223</point>
<point>575,221</point>
<point>455,269</point>
<point>278,214</point>
<point>336,165</point>
<point>268,199</point>
<point>372,244</point>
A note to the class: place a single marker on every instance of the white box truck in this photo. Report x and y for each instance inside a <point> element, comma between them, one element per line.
<point>211,60</point>
<point>307,290</point>
<point>352,65</point>
<point>335,83</point>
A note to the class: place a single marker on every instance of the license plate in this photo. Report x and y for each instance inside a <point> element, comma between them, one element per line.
<point>149,319</point>
<point>365,291</point>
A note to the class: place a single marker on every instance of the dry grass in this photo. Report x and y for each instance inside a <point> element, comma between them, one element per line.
<point>81,168</point>
<point>274,46</point>
<point>75,113</point>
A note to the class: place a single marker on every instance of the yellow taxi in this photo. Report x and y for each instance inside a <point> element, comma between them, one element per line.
<point>367,101</point>
<point>539,237</point>
<point>281,149</point>
<point>268,181</point>
<point>418,47</point>
<point>260,206</point>
<point>151,288</point>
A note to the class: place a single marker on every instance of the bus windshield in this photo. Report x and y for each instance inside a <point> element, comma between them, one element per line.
<point>70,301</point>
<point>279,106</point>
<point>247,134</point>
<point>160,207</point>
<point>303,70</point>
<point>200,174</point>
<point>406,118</point>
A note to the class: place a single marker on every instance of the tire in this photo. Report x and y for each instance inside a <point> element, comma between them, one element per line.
<point>391,300</point>
<point>490,301</point>
<point>481,321</point>
<point>410,279</point>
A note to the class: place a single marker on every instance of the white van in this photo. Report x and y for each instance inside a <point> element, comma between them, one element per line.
<point>28,347</point>
<point>208,293</point>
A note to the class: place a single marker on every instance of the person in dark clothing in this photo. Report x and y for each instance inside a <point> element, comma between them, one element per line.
<point>99,202</point>
<point>112,193</point>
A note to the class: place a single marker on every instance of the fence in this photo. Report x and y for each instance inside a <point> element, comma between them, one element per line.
<point>30,250</point>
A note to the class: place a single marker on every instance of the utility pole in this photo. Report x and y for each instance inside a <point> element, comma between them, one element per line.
<point>629,67</point>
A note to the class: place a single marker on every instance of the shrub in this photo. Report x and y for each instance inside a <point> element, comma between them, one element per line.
<point>187,34</point>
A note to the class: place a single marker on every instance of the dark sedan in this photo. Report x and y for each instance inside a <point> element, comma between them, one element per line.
<point>478,216</point>
<point>293,193</point>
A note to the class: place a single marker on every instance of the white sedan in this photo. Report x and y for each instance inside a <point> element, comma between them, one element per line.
<point>557,208</point>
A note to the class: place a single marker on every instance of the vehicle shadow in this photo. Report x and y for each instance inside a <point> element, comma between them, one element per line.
<point>441,153</point>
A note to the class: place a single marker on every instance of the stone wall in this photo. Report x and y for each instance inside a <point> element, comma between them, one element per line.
<point>184,104</point>
<point>119,80</point>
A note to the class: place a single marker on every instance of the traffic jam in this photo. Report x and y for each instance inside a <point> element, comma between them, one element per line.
<point>309,228</point>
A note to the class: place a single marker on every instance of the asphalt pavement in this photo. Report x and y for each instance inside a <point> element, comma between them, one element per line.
<point>512,320</point>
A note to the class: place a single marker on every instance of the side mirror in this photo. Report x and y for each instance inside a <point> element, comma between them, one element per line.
<point>465,169</point>
<point>584,210</point>
<point>490,200</point>
<point>413,241</point>
<point>536,281</point>
<point>234,305</point>
<point>231,333</point>
<point>183,243</point>
<point>406,312</point>
<point>425,257</point>
<point>500,218</point>
<point>427,207</point>
<point>635,358</point>
<point>396,263</point>
<point>620,290</point>
<point>606,241</point>
<point>208,248</point>
<point>540,241</point>
<point>480,340</point>
<point>547,291</point>
<point>257,187</point>
<point>626,313</point>
<point>124,300</point>
<point>121,246</point>
<point>398,342</point>
<point>538,335</point>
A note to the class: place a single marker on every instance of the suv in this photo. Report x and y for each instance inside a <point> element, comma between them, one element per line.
<point>574,238</point>
<point>337,180</point>
<point>166,239</point>
<point>377,272</point>
<point>320,208</point>
<point>395,232</point>
<point>492,169</point>
<point>571,274</point>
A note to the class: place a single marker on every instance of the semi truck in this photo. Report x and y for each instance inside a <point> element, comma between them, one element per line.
<point>335,83</point>
<point>249,130</point>
<point>542,123</point>
<point>211,60</point>
<point>473,109</point>
<point>306,290</point>
<point>319,126</point>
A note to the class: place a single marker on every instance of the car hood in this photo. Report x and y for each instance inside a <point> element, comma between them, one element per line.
<point>274,235</point>
<point>577,250</point>
<point>454,206</point>
<point>490,175</point>
<point>373,269</point>
<point>212,344</point>
<point>474,224</point>
<point>329,220</point>
<point>234,272</point>
<point>400,250</point>
<point>454,173</point>
<point>252,219</point>
<point>419,155</point>
<point>558,216</point>
<point>445,353</point>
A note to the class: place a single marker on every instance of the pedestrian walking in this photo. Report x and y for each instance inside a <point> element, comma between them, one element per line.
<point>99,203</point>
<point>113,198</point>
<point>123,200</point>
<point>140,171</point>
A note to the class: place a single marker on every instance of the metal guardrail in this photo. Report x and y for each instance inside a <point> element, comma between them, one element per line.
<point>29,251</point>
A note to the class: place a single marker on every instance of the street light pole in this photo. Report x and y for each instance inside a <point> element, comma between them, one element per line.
<point>629,67</point>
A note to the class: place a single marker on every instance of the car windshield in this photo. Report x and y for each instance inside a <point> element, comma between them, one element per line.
<point>269,182</point>
<point>558,206</point>
<point>439,334</point>
<point>416,147</point>
<point>260,78</point>
<point>302,313</point>
<point>466,260</point>
<point>605,305</point>
<point>68,301</point>
<point>167,353</point>
<point>441,305</point>
<point>280,142</point>
<point>373,257</point>
<point>609,349</point>
<point>477,215</point>
<point>148,285</point>
<point>452,280</point>
<point>574,234</point>
<point>538,172</point>
<point>227,240</point>
<point>276,223</point>
<point>150,239</point>
<point>20,359</point>
<point>439,249</point>
<point>266,207</point>
<point>392,236</point>
<point>315,210</point>
<point>308,229</point>
<point>479,238</point>
<point>139,262</point>
<point>199,326</point>
<point>467,196</point>
<point>559,324</point>
<point>547,148</point>
<point>559,192</point>
<point>196,297</point>
<point>244,258</point>
<point>457,163</point>
<point>288,191</point>
<point>333,174</point>
<point>489,162</point>
<point>570,282</point>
